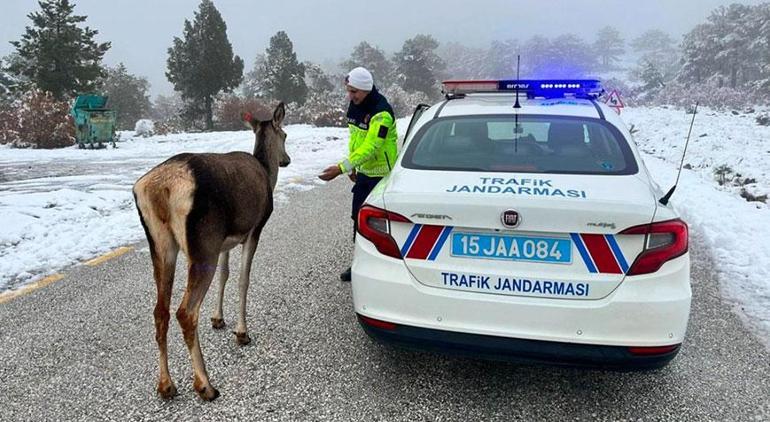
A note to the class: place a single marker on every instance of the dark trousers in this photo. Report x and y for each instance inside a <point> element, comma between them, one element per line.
<point>361,189</point>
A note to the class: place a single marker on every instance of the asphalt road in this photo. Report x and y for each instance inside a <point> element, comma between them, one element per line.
<point>83,349</point>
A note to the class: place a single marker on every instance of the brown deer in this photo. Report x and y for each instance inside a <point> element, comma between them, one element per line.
<point>206,204</point>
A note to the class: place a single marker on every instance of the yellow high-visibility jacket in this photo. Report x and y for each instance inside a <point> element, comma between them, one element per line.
<point>372,148</point>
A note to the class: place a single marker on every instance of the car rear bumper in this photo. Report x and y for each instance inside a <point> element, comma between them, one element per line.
<point>517,350</point>
<point>644,311</point>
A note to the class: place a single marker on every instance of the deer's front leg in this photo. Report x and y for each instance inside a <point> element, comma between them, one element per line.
<point>247,256</point>
<point>217,319</point>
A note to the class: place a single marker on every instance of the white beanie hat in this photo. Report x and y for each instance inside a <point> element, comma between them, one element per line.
<point>360,78</point>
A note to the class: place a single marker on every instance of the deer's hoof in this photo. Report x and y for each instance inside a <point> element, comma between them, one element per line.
<point>208,393</point>
<point>242,338</point>
<point>217,323</point>
<point>167,390</point>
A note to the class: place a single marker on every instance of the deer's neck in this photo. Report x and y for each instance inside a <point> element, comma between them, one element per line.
<point>268,157</point>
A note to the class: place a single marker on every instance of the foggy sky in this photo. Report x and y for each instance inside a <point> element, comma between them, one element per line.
<point>141,31</point>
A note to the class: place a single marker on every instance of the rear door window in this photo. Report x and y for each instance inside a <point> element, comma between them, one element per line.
<point>533,144</point>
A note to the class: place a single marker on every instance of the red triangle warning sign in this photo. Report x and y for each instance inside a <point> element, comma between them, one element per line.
<point>613,100</point>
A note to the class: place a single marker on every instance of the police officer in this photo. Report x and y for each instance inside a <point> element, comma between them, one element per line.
<point>372,147</point>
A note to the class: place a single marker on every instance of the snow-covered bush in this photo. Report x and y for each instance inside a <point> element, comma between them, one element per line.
<point>9,124</point>
<point>708,95</point>
<point>723,174</point>
<point>144,128</point>
<point>322,109</point>
<point>403,102</point>
<point>37,120</point>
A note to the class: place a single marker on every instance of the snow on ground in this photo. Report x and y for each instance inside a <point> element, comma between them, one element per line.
<point>61,207</point>
<point>736,230</point>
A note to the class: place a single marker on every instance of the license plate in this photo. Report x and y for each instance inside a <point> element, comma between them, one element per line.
<point>513,248</point>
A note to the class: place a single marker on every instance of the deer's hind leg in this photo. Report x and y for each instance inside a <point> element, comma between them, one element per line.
<point>164,250</point>
<point>200,272</point>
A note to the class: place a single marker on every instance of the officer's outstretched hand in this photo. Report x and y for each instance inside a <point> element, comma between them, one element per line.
<point>330,173</point>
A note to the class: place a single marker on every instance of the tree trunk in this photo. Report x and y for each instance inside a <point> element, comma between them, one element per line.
<point>209,114</point>
<point>733,77</point>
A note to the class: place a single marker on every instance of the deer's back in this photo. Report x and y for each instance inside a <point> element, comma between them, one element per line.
<point>206,198</point>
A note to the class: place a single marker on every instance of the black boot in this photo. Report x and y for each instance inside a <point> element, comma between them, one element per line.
<point>345,276</point>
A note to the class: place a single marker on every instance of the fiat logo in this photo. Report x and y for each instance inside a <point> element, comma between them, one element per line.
<point>510,218</point>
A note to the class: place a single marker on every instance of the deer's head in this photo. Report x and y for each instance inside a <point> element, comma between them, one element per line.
<point>270,139</point>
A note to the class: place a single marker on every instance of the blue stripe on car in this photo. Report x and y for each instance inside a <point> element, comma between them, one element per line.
<point>410,239</point>
<point>618,252</point>
<point>440,243</point>
<point>583,252</point>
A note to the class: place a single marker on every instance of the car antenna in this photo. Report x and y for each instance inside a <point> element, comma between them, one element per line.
<point>518,63</point>
<point>517,105</point>
<point>667,196</point>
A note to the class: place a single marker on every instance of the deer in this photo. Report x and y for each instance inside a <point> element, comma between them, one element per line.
<point>206,204</point>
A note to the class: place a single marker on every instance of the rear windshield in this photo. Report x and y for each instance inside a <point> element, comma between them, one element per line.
<point>537,144</point>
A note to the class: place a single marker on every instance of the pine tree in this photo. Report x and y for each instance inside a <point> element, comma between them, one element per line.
<point>500,62</point>
<point>8,83</point>
<point>657,51</point>
<point>167,108</point>
<point>57,55</point>
<point>202,64</point>
<point>651,77</point>
<point>735,57</point>
<point>127,96</point>
<point>253,83</point>
<point>568,56</point>
<point>760,47</point>
<point>696,65</point>
<point>609,45</point>
<point>653,41</point>
<point>464,62</point>
<point>418,66</point>
<point>374,60</point>
<point>316,79</point>
<point>535,60</point>
<point>284,74</point>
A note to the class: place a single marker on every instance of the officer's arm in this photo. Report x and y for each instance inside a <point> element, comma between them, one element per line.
<point>379,127</point>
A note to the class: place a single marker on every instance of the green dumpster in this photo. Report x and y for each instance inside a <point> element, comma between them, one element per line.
<point>94,123</point>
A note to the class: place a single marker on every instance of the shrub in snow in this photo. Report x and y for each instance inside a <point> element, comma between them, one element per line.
<point>144,128</point>
<point>750,197</point>
<point>403,102</point>
<point>37,120</point>
<point>709,95</point>
<point>168,126</point>
<point>763,120</point>
<point>9,124</point>
<point>228,111</point>
<point>723,173</point>
<point>322,108</point>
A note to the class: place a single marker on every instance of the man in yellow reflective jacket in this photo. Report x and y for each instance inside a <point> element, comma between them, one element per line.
<point>372,148</point>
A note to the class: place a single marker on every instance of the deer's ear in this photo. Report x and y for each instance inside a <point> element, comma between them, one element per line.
<point>278,114</point>
<point>249,120</point>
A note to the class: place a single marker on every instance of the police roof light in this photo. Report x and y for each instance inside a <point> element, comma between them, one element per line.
<point>533,88</point>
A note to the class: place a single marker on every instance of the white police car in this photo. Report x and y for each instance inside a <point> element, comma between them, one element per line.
<point>523,229</point>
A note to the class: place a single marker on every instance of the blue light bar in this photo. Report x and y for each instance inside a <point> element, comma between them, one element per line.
<point>533,88</point>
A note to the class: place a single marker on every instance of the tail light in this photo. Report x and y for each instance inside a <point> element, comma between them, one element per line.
<point>665,241</point>
<point>374,225</point>
<point>376,323</point>
<point>652,351</point>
